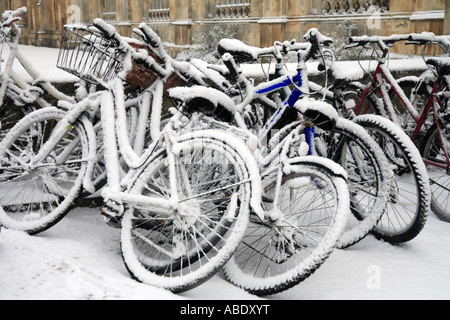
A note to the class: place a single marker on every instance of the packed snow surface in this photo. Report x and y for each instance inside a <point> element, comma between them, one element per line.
<point>79,258</point>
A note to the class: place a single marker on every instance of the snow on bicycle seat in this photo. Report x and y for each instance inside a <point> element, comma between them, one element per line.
<point>442,64</point>
<point>321,113</point>
<point>206,100</point>
<point>342,70</point>
<point>240,51</point>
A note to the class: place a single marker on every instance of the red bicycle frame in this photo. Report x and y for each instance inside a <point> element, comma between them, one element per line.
<point>382,75</point>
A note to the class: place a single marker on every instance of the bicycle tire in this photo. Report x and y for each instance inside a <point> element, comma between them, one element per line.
<point>34,198</point>
<point>368,179</point>
<point>10,115</point>
<point>180,250</point>
<point>276,255</point>
<point>432,149</point>
<point>410,196</point>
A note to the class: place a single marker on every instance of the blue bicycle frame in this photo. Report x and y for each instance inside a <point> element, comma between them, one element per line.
<point>298,80</point>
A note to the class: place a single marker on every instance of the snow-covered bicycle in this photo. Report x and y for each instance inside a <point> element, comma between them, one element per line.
<point>50,155</point>
<point>410,194</point>
<point>301,205</point>
<point>423,113</point>
<point>17,96</point>
<point>345,142</point>
<point>263,271</point>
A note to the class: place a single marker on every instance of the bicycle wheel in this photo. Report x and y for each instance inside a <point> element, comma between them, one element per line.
<point>10,115</point>
<point>372,104</point>
<point>179,248</point>
<point>409,196</point>
<point>368,179</point>
<point>277,255</point>
<point>434,150</point>
<point>33,197</point>
<point>416,92</point>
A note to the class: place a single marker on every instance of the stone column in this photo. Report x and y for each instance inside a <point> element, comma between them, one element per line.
<point>45,15</point>
<point>180,15</point>
<point>447,17</point>
<point>273,22</point>
<point>4,5</point>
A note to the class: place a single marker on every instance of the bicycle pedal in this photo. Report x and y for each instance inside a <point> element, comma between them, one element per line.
<point>112,212</point>
<point>266,199</point>
<point>112,221</point>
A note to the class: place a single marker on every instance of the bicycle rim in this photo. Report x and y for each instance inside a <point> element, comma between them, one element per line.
<point>34,198</point>
<point>275,256</point>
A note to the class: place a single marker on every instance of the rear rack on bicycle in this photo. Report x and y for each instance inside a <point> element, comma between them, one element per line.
<point>89,55</point>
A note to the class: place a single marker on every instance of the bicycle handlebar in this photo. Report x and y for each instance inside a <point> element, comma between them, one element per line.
<point>110,33</point>
<point>429,37</point>
<point>245,53</point>
<point>384,42</point>
<point>154,43</point>
<point>316,38</point>
<point>234,51</point>
<point>381,41</point>
<point>140,57</point>
<point>152,39</point>
<point>11,16</point>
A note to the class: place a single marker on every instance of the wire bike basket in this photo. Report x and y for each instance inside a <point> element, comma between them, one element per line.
<point>88,55</point>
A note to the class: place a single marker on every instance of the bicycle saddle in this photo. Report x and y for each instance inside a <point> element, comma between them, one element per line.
<point>322,114</point>
<point>208,101</point>
<point>240,51</point>
<point>442,64</point>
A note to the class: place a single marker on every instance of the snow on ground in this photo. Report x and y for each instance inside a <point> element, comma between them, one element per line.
<point>44,60</point>
<point>79,258</point>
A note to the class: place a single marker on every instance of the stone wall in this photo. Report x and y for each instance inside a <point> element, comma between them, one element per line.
<point>257,22</point>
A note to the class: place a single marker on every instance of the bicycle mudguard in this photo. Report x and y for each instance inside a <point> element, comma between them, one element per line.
<point>334,168</point>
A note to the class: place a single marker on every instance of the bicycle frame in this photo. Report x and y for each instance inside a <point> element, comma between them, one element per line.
<point>119,144</point>
<point>380,77</point>
<point>290,133</point>
<point>300,82</point>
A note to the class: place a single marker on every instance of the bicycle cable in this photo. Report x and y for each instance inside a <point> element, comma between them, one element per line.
<point>423,54</point>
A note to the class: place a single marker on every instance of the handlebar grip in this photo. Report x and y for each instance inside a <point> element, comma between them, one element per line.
<point>357,41</point>
<point>150,36</point>
<point>429,37</point>
<point>20,12</point>
<point>110,33</point>
<point>229,62</point>
<point>107,30</point>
